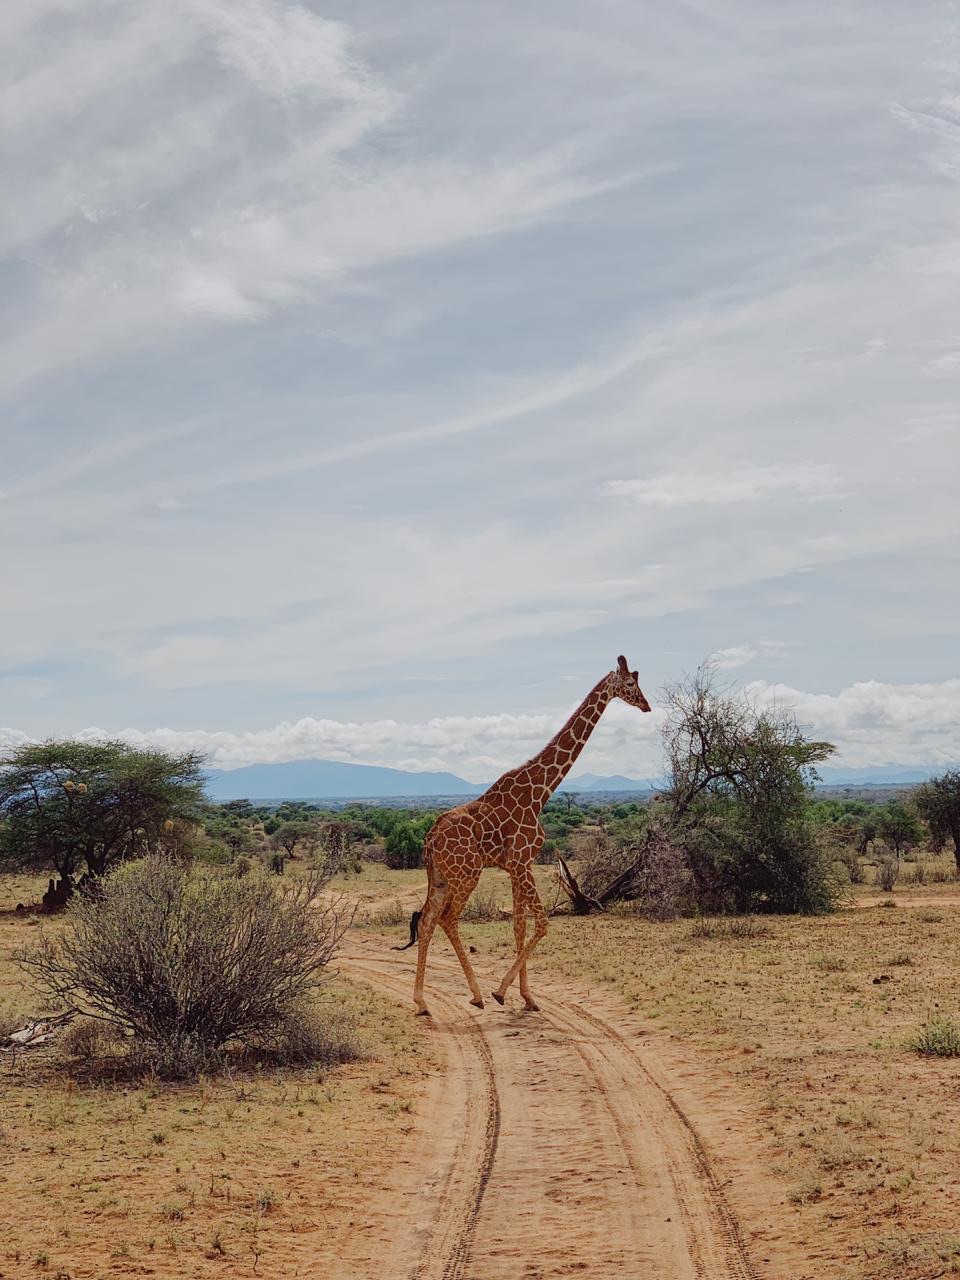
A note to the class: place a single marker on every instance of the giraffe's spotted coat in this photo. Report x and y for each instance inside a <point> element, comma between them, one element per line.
<point>502,828</point>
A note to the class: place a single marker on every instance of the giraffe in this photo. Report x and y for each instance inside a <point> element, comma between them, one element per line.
<point>501,828</point>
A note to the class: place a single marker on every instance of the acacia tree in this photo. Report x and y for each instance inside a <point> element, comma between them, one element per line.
<point>732,818</point>
<point>898,826</point>
<point>291,834</point>
<point>938,802</point>
<point>740,777</point>
<point>70,806</point>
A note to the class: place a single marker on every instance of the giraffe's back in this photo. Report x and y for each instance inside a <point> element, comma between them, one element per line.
<point>478,835</point>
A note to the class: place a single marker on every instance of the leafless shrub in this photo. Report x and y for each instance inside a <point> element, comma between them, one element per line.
<point>188,961</point>
<point>665,888</point>
<point>653,876</point>
<point>704,927</point>
<point>920,868</point>
<point>597,857</point>
<point>88,1039</point>
<point>849,859</point>
<point>8,1022</point>
<point>482,906</point>
<point>747,927</point>
<point>318,1036</point>
<point>888,872</point>
<point>388,916</point>
<point>736,928</point>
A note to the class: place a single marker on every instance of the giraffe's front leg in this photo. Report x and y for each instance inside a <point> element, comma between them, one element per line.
<point>520,937</point>
<point>449,926</point>
<point>525,899</point>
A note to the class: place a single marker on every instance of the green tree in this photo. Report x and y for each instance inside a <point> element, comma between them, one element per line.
<point>740,782</point>
<point>230,829</point>
<point>291,834</point>
<point>938,802</point>
<point>404,846</point>
<point>70,806</point>
<point>899,826</point>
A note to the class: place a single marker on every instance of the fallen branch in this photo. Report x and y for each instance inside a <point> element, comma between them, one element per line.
<point>36,1033</point>
<point>580,902</point>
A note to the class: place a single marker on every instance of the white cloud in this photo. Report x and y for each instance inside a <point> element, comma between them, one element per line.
<point>476,747</point>
<point>870,723</point>
<point>874,723</point>
<point>745,484</point>
<point>739,655</point>
<point>328,343</point>
<point>735,656</point>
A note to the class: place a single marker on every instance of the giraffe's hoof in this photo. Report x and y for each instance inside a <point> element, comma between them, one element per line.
<point>423,1013</point>
<point>497,996</point>
<point>532,1006</point>
<point>478,1003</point>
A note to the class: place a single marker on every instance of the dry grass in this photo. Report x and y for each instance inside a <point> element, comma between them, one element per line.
<point>237,1175</point>
<point>388,897</point>
<point>817,1018</point>
<point>924,874</point>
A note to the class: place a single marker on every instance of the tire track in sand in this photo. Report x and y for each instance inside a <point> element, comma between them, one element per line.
<point>655,1131</point>
<point>598,1170</point>
<point>444,1253</point>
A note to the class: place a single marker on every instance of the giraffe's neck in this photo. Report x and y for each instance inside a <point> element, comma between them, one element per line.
<point>548,768</point>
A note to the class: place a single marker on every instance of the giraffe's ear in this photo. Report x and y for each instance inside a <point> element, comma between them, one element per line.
<point>622,664</point>
<point>636,676</point>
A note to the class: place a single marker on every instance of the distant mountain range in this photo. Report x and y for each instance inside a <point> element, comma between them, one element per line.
<point>594,782</point>
<point>330,780</point>
<point>335,780</point>
<point>887,775</point>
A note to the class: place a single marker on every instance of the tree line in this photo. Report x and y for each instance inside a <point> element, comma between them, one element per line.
<point>738,825</point>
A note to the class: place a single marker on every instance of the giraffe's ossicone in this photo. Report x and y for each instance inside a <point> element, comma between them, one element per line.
<point>502,828</point>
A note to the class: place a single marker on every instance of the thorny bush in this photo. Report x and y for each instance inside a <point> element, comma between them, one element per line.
<point>189,961</point>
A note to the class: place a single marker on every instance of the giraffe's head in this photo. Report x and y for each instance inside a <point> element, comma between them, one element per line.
<point>627,687</point>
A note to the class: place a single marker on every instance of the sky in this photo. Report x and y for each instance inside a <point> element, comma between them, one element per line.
<point>373,374</point>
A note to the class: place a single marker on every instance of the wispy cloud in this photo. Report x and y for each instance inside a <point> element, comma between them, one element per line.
<point>746,484</point>
<point>356,365</point>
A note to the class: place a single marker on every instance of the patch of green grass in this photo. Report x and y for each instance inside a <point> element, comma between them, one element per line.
<point>937,1038</point>
<point>805,1190</point>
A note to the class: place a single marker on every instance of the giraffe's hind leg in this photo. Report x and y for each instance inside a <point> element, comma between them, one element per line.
<point>450,919</point>
<point>435,904</point>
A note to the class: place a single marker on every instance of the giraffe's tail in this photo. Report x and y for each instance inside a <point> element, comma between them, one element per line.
<point>414,928</point>
<point>415,918</point>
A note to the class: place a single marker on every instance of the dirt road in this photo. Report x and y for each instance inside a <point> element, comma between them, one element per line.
<point>556,1147</point>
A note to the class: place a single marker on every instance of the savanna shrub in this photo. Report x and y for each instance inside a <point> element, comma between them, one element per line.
<point>849,859</point>
<point>481,906</point>
<point>665,883</point>
<point>939,1038</point>
<point>308,1035</point>
<point>888,873</point>
<point>90,1038</point>
<point>188,961</point>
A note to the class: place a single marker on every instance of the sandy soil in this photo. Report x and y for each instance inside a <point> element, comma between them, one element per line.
<point>681,1108</point>
<point>581,1150</point>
